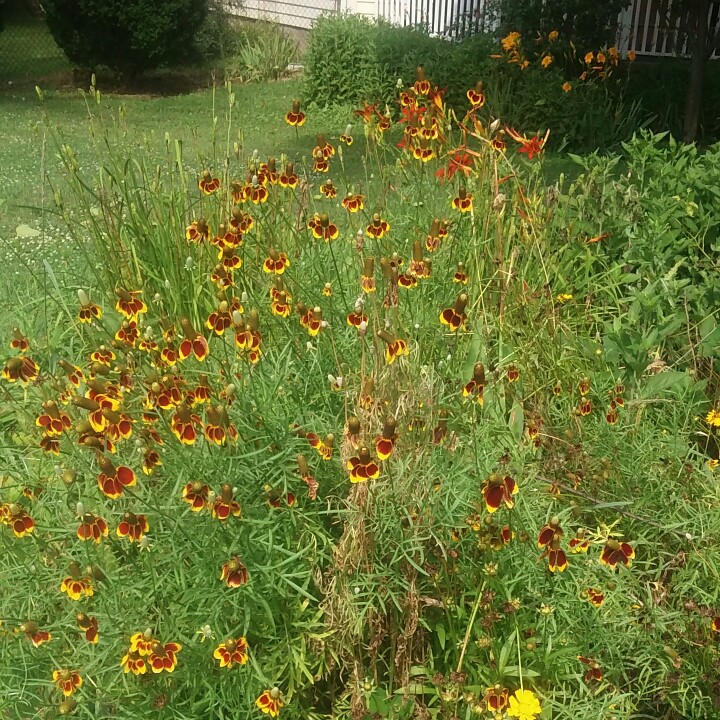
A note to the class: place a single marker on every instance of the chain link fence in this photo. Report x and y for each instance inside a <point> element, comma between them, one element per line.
<point>289,13</point>
<point>28,52</point>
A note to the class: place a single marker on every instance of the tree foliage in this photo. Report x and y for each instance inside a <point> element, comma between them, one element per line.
<point>129,36</point>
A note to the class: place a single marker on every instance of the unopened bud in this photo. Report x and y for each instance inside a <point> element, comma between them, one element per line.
<point>499,202</point>
<point>83,298</point>
<point>494,125</point>
<point>80,509</point>
<point>189,263</point>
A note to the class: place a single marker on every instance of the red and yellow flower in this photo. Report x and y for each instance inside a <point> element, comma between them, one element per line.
<point>234,651</point>
<point>208,184</point>
<point>422,84</point>
<point>224,505</point>
<point>196,494</point>
<point>617,553</point>
<point>322,228</point>
<point>288,178</point>
<point>476,385</point>
<point>367,279</point>
<point>36,636</point>
<point>353,203</point>
<point>92,527</point>
<point>394,347</point>
<point>163,656</point>
<point>89,625</point>
<point>580,543</point>
<point>133,662</point>
<point>197,231</point>
<point>67,680</point>
<point>270,702</point>
<point>385,444</point>
<point>557,560</point>
<point>295,118</point>
<point>594,597</point>
<point>76,585</point>
<point>193,342</point>
<point>234,573</point>
<point>113,480</point>
<point>463,201</point>
<point>363,467</point>
<point>594,670</point>
<point>498,490</point>
<point>129,303</point>
<point>377,227</point>
<point>89,311</point>
<point>142,643</point>
<point>19,342</point>
<point>328,190</point>
<point>133,527</point>
<point>496,698</point>
<point>16,517</point>
<point>476,95</point>
<point>276,262</point>
<point>24,369</point>
<point>455,317</point>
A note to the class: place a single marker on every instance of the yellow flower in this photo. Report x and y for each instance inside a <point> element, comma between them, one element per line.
<point>553,35</point>
<point>566,86</point>
<point>589,57</point>
<point>510,41</point>
<point>601,58</point>
<point>524,705</point>
<point>713,418</point>
<point>563,297</point>
<point>712,464</point>
<point>631,56</point>
<point>546,61</point>
<point>524,64</point>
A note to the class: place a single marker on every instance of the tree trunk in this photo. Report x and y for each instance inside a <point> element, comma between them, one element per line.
<point>697,41</point>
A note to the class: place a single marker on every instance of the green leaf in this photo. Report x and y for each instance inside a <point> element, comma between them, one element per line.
<point>440,630</point>
<point>671,380</point>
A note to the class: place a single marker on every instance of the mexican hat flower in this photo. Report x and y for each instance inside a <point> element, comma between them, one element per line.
<point>270,702</point>
<point>67,680</point>
<point>233,651</point>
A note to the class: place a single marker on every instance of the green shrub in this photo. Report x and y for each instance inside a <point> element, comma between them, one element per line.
<point>129,36</point>
<point>660,229</point>
<point>341,62</point>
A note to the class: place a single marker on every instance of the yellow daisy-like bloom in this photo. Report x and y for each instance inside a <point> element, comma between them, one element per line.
<point>546,61</point>
<point>524,705</point>
<point>563,297</point>
<point>566,87</point>
<point>713,418</point>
